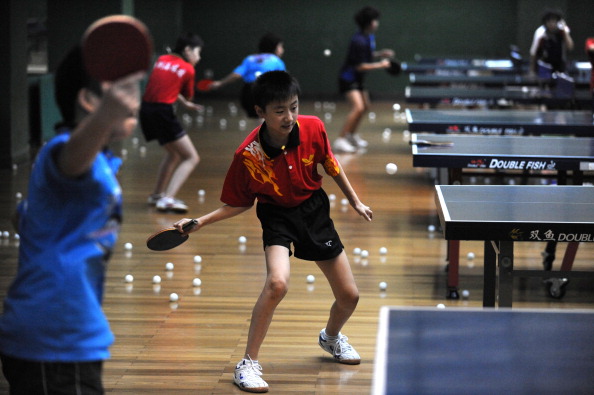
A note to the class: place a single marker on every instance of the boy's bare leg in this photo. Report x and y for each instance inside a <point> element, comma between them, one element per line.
<point>187,158</point>
<point>276,286</point>
<point>341,280</point>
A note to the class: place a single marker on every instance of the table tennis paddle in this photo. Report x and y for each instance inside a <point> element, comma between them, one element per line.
<point>395,68</point>
<point>115,46</point>
<point>204,85</point>
<point>169,238</point>
<point>427,143</point>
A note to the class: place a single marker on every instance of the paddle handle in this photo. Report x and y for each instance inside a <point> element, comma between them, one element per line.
<point>189,225</point>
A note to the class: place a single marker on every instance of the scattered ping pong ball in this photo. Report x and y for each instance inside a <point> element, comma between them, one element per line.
<point>344,202</point>
<point>197,259</point>
<point>364,253</point>
<point>128,246</point>
<point>465,294</point>
<point>383,250</point>
<point>173,297</point>
<point>156,279</point>
<point>441,306</point>
<point>169,266</point>
<point>201,192</point>
<point>327,52</point>
<point>6,234</point>
<point>357,251</point>
<point>383,286</point>
<point>196,282</point>
<point>431,228</point>
<point>396,107</point>
<point>391,168</point>
<point>129,278</point>
<point>332,197</point>
<point>310,278</point>
<point>242,239</point>
<point>19,195</point>
<point>470,255</point>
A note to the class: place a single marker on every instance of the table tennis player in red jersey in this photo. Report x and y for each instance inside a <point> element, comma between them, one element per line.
<point>171,81</point>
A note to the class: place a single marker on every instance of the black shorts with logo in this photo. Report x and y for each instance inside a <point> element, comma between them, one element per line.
<point>307,226</point>
<point>158,122</point>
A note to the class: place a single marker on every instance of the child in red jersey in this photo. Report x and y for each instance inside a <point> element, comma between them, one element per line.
<point>277,165</point>
<point>171,81</point>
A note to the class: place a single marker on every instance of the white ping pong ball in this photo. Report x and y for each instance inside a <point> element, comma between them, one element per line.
<point>156,279</point>
<point>344,202</point>
<point>332,197</point>
<point>196,282</point>
<point>197,259</point>
<point>383,286</point>
<point>128,246</point>
<point>364,253</point>
<point>391,168</point>
<point>470,255</point>
<point>201,192</point>
<point>242,239</point>
<point>129,278</point>
<point>431,228</point>
<point>357,251</point>
<point>19,195</point>
<point>383,250</point>
<point>465,294</point>
<point>173,297</point>
<point>441,306</point>
<point>327,52</point>
<point>169,266</point>
<point>310,278</point>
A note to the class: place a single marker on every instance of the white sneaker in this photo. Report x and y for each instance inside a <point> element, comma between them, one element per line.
<point>340,349</point>
<point>341,144</point>
<point>247,376</point>
<point>357,141</point>
<point>170,204</point>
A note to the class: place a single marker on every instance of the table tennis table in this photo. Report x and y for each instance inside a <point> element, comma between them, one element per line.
<point>507,122</point>
<point>492,97</point>
<point>500,215</point>
<point>521,156</point>
<point>493,80</point>
<point>460,65</point>
<point>483,351</point>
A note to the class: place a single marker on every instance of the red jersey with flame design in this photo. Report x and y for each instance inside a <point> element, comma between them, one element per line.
<point>285,180</point>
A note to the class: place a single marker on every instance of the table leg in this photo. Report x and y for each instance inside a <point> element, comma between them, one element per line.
<point>453,269</point>
<point>506,278</point>
<point>569,256</point>
<point>490,274</point>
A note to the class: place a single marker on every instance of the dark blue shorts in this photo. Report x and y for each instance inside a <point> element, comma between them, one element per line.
<point>158,122</point>
<point>344,86</point>
<point>307,226</point>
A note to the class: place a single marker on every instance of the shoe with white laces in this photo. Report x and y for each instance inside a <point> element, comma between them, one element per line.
<point>170,204</point>
<point>340,349</point>
<point>247,376</point>
<point>342,144</point>
<point>357,141</point>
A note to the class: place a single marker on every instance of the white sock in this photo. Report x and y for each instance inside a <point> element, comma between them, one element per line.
<point>325,336</point>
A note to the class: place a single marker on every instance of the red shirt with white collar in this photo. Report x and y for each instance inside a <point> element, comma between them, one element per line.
<point>285,177</point>
<point>171,76</point>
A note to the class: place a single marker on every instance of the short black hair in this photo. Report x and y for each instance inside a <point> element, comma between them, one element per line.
<point>187,40</point>
<point>365,16</point>
<point>551,14</point>
<point>268,43</point>
<point>70,77</point>
<point>274,86</point>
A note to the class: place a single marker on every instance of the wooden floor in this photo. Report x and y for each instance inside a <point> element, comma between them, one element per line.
<point>192,346</point>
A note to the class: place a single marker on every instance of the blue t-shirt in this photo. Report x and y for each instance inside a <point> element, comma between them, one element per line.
<point>360,50</point>
<point>257,64</point>
<point>68,228</point>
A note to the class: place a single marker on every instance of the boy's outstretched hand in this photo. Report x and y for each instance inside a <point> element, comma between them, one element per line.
<point>179,225</point>
<point>364,211</point>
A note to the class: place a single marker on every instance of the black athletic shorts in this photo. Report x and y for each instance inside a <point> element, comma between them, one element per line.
<point>158,122</point>
<point>308,227</point>
<point>345,86</point>
<point>63,378</point>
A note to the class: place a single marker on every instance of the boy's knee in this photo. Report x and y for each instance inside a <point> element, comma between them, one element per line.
<point>277,288</point>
